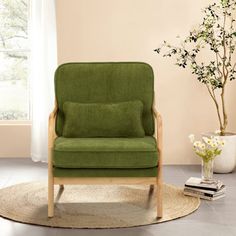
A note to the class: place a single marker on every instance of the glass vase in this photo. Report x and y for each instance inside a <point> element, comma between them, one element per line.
<point>207,171</point>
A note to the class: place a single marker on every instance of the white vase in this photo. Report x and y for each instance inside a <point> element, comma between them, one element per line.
<point>226,161</point>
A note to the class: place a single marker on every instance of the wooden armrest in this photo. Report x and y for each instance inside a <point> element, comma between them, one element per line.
<point>158,122</point>
<point>158,132</point>
<point>51,127</point>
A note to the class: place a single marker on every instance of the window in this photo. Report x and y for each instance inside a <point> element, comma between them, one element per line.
<point>14,60</point>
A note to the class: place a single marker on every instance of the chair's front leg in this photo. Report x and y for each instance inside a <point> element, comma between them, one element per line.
<point>50,186</point>
<point>159,199</point>
<point>159,183</point>
<point>51,138</point>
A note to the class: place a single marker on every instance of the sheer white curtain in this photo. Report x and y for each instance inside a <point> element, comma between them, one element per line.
<point>43,64</point>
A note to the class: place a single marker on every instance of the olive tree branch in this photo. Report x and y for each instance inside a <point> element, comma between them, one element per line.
<point>212,94</point>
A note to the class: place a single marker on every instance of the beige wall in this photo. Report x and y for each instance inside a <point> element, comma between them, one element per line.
<point>15,139</point>
<point>129,30</point>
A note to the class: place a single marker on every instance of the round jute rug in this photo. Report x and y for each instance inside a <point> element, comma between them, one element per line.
<point>93,206</point>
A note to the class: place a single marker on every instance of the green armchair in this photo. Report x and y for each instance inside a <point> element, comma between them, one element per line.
<point>104,128</point>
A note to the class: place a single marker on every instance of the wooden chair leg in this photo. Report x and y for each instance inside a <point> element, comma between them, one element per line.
<point>151,189</point>
<point>159,200</point>
<point>59,194</point>
<point>50,197</point>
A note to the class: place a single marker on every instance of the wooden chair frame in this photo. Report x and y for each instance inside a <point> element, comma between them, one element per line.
<point>152,181</point>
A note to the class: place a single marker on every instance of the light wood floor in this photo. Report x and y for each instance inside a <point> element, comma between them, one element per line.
<point>213,218</point>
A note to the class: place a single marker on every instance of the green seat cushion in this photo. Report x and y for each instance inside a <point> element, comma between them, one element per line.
<point>105,152</point>
<point>86,120</point>
<point>110,82</point>
<point>145,172</point>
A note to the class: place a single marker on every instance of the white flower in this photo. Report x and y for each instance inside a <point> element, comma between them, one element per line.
<point>191,138</point>
<point>213,144</point>
<point>197,144</point>
<point>207,140</point>
<point>203,146</point>
<point>216,140</point>
<point>222,143</point>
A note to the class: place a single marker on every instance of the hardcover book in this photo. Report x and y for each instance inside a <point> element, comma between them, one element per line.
<point>198,183</point>
<point>205,197</point>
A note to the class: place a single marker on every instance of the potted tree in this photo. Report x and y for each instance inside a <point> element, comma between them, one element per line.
<point>216,34</point>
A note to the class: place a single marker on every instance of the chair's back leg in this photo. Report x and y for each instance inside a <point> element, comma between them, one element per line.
<point>151,189</point>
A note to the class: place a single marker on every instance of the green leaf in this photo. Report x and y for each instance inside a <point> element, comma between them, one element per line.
<point>224,2</point>
<point>158,50</point>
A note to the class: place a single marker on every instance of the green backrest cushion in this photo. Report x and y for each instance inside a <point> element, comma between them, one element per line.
<point>110,82</point>
<point>88,120</point>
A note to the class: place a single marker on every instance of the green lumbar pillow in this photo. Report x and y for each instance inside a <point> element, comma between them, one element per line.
<point>87,120</point>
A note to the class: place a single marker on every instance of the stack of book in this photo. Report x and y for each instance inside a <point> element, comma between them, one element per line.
<point>210,191</point>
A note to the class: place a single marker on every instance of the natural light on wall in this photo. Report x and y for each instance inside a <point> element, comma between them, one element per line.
<point>14,54</point>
